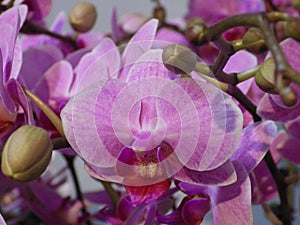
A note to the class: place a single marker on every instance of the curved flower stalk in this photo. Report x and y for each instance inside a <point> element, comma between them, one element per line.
<point>146,128</point>
<point>38,10</point>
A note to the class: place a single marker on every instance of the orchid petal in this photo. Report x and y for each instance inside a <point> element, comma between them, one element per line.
<point>116,30</point>
<point>103,173</point>
<point>147,193</point>
<point>263,185</point>
<point>240,61</point>
<point>293,128</point>
<point>88,117</point>
<point>149,64</point>
<point>232,204</point>
<point>218,112</point>
<point>221,176</point>
<point>290,150</point>
<point>20,97</point>
<point>138,45</point>
<point>2,221</point>
<point>7,100</point>
<point>254,144</point>
<point>139,213</point>
<point>15,16</point>
<point>59,78</point>
<point>194,210</point>
<point>268,109</point>
<point>44,57</point>
<point>101,63</point>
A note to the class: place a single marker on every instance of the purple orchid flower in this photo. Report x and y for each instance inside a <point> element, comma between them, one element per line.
<point>232,204</point>
<point>12,95</point>
<point>217,10</point>
<point>86,40</point>
<point>288,141</point>
<point>145,127</point>
<point>38,10</point>
<point>271,106</point>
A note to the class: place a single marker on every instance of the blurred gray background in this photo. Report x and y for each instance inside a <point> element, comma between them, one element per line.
<point>175,9</point>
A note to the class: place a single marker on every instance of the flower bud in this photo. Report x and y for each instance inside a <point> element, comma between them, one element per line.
<point>292,28</point>
<point>27,153</point>
<point>289,96</point>
<point>265,76</point>
<point>195,31</point>
<point>254,35</point>
<point>296,4</point>
<point>159,13</point>
<point>179,59</point>
<point>83,17</point>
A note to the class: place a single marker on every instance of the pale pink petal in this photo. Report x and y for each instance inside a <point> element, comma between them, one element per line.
<point>138,45</point>
<point>2,221</point>
<point>219,122</point>
<point>101,63</point>
<point>240,61</point>
<point>87,117</point>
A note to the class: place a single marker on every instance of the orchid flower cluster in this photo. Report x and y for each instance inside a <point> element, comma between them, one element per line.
<point>172,118</point>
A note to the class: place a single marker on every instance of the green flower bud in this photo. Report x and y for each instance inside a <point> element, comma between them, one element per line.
<point>292,28</point>
<point>27,153</point>
<point>159,13</point>
<point>195,31</point>
<point>289,96</point>
<point>296,4</point>
<point>253,41</point>
<point>83,17</point>
<point>179,59</point>
<point>265,76</point>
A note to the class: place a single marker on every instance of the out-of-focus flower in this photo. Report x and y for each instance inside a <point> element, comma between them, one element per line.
<point>148,128</point>
<point>214,11</point>
<point>126,25</point>
<point>38,10</point>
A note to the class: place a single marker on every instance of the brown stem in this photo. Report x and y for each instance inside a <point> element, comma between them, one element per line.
<point>223,57</point>
<point>111,192</point>
<point>70,162</point>
<point>59,143</point>
<point>271,216</point>
<point>281,187</point>
<point>30,28</point>
<point>292,179</point>
<point>244,101</point>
